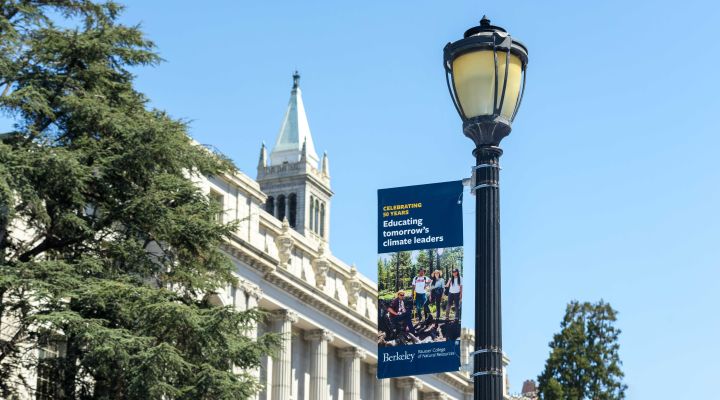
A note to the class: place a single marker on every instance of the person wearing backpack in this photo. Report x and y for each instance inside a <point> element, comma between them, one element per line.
<point>419,287</point>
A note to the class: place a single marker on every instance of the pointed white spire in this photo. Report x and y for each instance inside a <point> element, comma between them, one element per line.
<point>294,131</point>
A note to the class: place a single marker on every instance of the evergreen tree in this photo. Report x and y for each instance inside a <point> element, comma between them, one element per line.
<point>401,266</point>
<point>382,275</point>
<point>107,248</point>
<point>584,362</point>
<point>422,261</point>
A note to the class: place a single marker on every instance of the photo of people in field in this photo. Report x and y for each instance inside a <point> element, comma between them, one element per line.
<point>420,296</point>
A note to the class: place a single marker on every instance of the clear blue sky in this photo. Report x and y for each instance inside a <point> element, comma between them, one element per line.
<point>610,176</point>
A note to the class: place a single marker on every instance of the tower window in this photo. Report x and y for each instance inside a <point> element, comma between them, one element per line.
<point>270,205</point>
<point>281,207</point>
<point>292,212</point>
<point>312,212</point>
<point>322,220</point>
<point>317,216</point>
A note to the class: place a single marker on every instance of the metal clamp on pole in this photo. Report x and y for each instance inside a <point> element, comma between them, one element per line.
<point>473,179</point>
<point>490,350</point>
<point>487,166</point>
<point>497,372</point>
<point>484,185</point>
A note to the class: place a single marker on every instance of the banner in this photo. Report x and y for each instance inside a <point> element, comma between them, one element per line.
<point>419,279</point>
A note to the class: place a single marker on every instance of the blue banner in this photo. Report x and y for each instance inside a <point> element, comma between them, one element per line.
<point>418,359</point>
<point>420,217</point>
<point>419,279</point>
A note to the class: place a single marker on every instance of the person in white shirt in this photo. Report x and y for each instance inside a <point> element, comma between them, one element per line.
<point>454,286</point>
<point>419,287</point>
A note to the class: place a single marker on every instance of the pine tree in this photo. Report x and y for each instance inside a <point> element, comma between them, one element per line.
<point>401,266</point>
<point>382,275</point>
<point>584,360</point>
<point>106,245</point>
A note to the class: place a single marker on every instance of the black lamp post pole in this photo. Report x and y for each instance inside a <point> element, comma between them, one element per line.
<point>487,129</point>
<point>488,382</point>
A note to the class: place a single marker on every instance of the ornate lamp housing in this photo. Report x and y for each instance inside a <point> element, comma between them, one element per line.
<point>485,74</point>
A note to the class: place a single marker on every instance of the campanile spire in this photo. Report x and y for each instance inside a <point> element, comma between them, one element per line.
<point>294,131</point>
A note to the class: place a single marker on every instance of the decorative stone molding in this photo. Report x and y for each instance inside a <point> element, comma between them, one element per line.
<point>321,265</point>
<point>435,396</point>
<point>411,386</point>
<point>284,243</point>
<point>319,335</point>
<point>353,285</point>
<point>352,352</point>
<point>252,290</point>
<point>284,315</point>
<point>409,383</point>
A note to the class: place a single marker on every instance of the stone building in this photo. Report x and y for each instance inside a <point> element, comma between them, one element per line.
<point>326,309</point>
<point>528,392</point>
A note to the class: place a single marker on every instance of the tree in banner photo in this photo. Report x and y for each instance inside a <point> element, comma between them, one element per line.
<point>420,279</point>
<point>420,296</point>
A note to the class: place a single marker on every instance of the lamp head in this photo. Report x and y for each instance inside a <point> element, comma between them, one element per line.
<point>485,73</point>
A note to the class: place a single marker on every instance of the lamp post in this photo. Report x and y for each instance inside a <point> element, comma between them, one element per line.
<point>485,73</point>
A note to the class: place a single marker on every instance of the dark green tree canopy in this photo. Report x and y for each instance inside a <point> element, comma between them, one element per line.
<point>584,360</point>
<point>105,241</point>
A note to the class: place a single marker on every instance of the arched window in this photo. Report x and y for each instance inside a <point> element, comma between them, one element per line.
<point>317,215</point>
<point>312,211</point>
<point>292,204</point>
<point>214,300</point>
<point>281,207</point>
<point>270,205</point>
<point>322,220</point>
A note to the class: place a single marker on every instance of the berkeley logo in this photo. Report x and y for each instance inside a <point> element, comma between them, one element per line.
<point>398,357</point>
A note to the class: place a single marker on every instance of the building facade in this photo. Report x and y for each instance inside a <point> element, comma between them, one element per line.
<point>325,309</point>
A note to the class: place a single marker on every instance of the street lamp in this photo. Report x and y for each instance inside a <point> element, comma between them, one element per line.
<point>485,74</point>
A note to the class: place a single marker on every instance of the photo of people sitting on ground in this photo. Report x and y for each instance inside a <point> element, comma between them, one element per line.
<point>420,296</point>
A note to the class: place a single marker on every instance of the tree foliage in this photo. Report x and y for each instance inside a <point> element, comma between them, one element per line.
<point>584,360</point>
<point>104,238</point>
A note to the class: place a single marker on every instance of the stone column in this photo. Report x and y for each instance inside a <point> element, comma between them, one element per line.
<point>246,297</point>
<point>410,388</point>
<point>353,357</point>
<point>253,294</point>
<point>382,386</point>
<point>282,367</point>
<point>240,297</point>
<point>319,340</point>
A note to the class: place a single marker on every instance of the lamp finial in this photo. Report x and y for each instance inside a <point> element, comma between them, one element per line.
<point>485,21</point>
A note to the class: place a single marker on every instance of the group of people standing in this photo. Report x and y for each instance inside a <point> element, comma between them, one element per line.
<point>436,287</point>
<point>426,291</point>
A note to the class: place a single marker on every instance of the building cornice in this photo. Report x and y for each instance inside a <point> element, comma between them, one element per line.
<point>269,268</point>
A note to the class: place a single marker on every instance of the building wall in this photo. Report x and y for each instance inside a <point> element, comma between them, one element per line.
<point>279,262</point>
<point>277,269</point>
